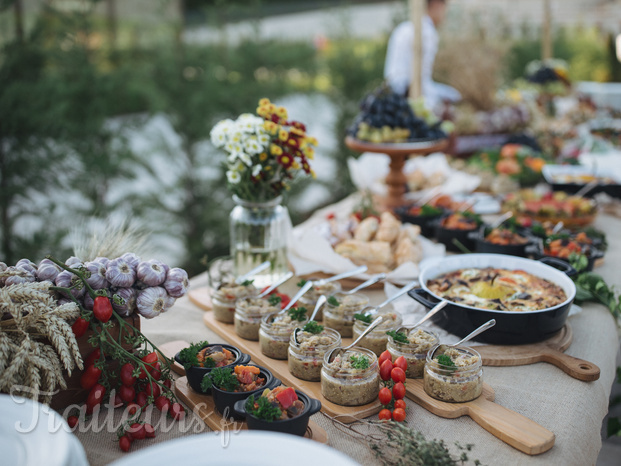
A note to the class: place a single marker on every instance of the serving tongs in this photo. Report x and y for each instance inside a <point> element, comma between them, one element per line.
<point>340,350</point>
<point>486,326</point>
<point>259,268</point>
<point>320,302</point>
<point>433,311</point>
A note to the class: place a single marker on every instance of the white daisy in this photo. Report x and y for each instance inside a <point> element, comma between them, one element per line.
<point>245,158</point>
<point>233,176</point>
<point>264,139</point>
<point>256,170</point>
<point>252,146</point>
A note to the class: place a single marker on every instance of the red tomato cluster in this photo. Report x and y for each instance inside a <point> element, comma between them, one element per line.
<point>392,395</point>
<point>136,431</point>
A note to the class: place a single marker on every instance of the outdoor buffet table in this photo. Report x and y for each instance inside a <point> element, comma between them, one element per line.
<point>573,410</point>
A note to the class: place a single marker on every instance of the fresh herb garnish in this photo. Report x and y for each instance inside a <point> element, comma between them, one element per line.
<point>247,282</point>
<point>472,216</point>
<point>539,230</point>
<point>313,327</point>
<point>592,287</point>
<point>189,356</point>
<point>297,313</point>
<point>429,211</point>
<point>209,362</point>
<point>398,337</point>
<point>222,378</point>
<point>359,361</point>
<point>262,409</point>
<point>274,300</point>
<point>301,283</point>
<point>333,301</point>
<point>445,360</point>
<point>363,317</point>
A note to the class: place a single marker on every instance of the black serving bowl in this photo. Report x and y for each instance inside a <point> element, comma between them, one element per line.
<point>195,374</point>
<point>537,251</point>
<point>512,328</point>
<point>225,401</point>
<point>486,247</point>
<point>447,236</point>
<point>425,222</point>
<point>295,426</point>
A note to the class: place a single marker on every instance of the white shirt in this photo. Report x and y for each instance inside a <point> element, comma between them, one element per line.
<point>399,56</point>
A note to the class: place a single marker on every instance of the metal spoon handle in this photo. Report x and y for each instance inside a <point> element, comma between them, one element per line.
<point>502,219</point>
<point>437,308</point>
<point>400,293</point>
<point>349,273</point>
<point>307,286</point>
<point>259,268</point>
<point>273,286</point>
<point>320,302</point>
<point>371,281</point>
<point>370,328</point>
<point>586,188</point>
<point>558,227</point>
<point>486,326</point>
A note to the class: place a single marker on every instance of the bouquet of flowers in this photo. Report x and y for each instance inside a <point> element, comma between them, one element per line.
<point>265,152</point>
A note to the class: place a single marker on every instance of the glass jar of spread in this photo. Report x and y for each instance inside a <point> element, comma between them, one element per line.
<point>456,378</point>
<point>306,354</point>
<point>225,297</point>
<point>352,378</point>
<point>414,351</point>
<point>339,310</point>
<point>377,339</point>
<point>248,315</point>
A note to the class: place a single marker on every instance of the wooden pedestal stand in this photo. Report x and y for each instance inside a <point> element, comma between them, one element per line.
<point>398,153</point>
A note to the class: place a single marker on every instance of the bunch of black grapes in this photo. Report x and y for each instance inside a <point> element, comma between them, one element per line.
<point>544,75</point>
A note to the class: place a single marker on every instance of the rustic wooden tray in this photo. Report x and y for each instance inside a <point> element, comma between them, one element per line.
<point>204,407</point>
<point>512,428</point>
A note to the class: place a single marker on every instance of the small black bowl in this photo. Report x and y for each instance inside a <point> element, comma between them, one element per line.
<point>447,235</point>
<point>195,374</point>
<point>483,246</point>
<point>225,401</point>
<point>295,426</point>
<point>425,222</point>
<point>537,252</point>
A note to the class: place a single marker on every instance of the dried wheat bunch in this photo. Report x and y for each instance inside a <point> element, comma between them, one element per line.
<point>36,340</point>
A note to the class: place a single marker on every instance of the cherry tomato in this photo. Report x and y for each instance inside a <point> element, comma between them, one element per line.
<point>127,394</point>
<point>79,327</point>
<point>397,375</point>
<point>141,399</point>
<point>400,404</point>
<point>72,421</point>
<point>401,362</point>
<point>385,356</point>
<point>127,377</point>
<point>385,414</point>
<point>149,431</point>
<point>150,359</point>
<point>94,356</point>
<point>156,373</point>
<point>152,389</point>
<point>162,403</point>
<point>398,415</point>
<point>385,370</point>
<point>177,411</point>
<point>385,396</point>
<point>132,409</point>
<point>90,377</point>
<point>125,442</point>
<point>95,397</point>
<point>398,391</point>
<point>102,309</point>
<point>137,431</point>
<point>168,383</point>
<point>117,402</point>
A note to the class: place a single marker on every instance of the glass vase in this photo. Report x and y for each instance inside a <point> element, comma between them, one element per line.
<point>259,232</point>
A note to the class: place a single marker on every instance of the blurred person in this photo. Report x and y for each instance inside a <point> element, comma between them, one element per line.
<point>400,53</point>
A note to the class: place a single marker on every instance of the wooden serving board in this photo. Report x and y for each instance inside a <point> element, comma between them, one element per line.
<point>203,405</point>
<point>280,369</point>
<point>512,428</point>
<point>201,297</point>
<point>550,351</point>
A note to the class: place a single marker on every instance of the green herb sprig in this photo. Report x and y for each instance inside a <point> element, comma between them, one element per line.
<point>398,337</point>
<point>189,356</point>
<point>445,360</point>
<point>313,327</point>
<point>247,282</point>
<point>274,300</point>
<point>301,283</point>
<point>363,317</point>
<point>222,378</point>
<point>429,211</point>
<point>359,361</point>
<point>332,301</point>
<point>297,313</point>
<point>262,409</point>
<point>592,287</point>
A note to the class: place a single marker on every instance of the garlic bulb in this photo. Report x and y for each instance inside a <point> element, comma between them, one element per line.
<point>151,273</point>
<point>124,301</point>
<point>66,279</point>
<point>73,262</point>
<point>28,265</point>
<point>120,273</point>
<point>97,279</point>
<point>47,270</point>
<point>170,302</point>
<point>151,302</point>
<point>102,260</point>
<point>132,259</point>
<point>3,267</point>
<point>25,276</point>
<point>177,282</point>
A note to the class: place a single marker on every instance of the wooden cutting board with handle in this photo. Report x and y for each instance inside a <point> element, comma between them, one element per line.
<point>550,351</point>
<point>512,428</point>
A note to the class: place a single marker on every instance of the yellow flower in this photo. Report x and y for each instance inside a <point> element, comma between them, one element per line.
<point>297,131</point>
<point>309,152</point>
<point>262,112</point>
<point>312,140</point>
<point>267,168</point>
<point>296,165</point>
<point>264,101</point>
<point>283,135</point>
<point>281,112</point>
<point>262,156</point>
<point>275,150</point>
<point>270,127</point>
<point>313,174</point>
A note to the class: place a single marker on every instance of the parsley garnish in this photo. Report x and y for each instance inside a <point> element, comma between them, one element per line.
<point>189,356</point>
<point>274,300</point>
<point>399,337</point>
<point>313,327</point>
<point>297,313</point>
<point>363,317</point>
<point>445,361</point>
<point>429,211</point>
<point>333,301</point>
<point>247,282</point>
<point>359,362</point>
<point>222,378</point>
<point>262,409</point>
<point>209,362</point>
<point>301,283</point>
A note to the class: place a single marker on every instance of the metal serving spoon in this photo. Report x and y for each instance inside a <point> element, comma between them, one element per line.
<point>320,302</point>
<point>275,285</point>
<point>349,273</point>
<point>371,281</point>
<point>500,220</point>
<point>307,286</point>
<point>437,308</point>
<point>333,353</point>
<point>259,268</point>
<point>401,292</point>
<point>486,326</point>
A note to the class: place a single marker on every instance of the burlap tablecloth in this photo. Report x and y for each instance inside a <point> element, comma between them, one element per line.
<point>572,409</point>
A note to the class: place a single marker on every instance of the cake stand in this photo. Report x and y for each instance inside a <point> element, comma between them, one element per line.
<point>398,153</point>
